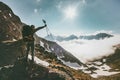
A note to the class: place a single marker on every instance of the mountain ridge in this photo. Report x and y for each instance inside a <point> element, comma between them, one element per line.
<point>98,36</point>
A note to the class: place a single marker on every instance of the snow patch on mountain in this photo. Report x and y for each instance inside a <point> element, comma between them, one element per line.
<point>7,66</point>
<point>39,61</point>
<point>41,44</point>
<point>10,14</point>
<point>103,70</point>
<point>71,64</point>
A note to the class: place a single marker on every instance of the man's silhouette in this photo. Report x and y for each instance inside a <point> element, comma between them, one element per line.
<point>28,38</point>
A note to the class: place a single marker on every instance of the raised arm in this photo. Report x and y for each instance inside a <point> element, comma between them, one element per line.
<point>40,28</point>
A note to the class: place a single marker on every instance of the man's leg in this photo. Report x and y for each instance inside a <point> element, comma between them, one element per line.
<point>27,51</point>
<point>32,51</point>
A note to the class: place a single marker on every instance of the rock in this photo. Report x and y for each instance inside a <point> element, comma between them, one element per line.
<point>23,70</point>
<point>10,24</point>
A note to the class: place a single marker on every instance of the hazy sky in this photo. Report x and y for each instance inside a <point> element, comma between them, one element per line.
<point>69,16</point>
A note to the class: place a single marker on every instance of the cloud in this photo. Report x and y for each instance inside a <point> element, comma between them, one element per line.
<point>35,10</point>
<point>86,50</point>
<point>84,1</point>
<point>38,0</point>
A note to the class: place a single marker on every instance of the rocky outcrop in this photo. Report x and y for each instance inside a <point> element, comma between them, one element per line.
<point>10,51</point>
<point>10,24</point>
<point>23,70</point>
<point>11,47</point>
<point>114,59</point>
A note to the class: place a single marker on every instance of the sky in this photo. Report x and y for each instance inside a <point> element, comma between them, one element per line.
<point>66,17</point>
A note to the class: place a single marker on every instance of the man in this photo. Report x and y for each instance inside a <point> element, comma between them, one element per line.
<point>28,37</point>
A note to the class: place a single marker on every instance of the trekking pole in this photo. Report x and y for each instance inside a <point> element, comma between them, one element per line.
<point>47,30</point>
<point>46,26</point>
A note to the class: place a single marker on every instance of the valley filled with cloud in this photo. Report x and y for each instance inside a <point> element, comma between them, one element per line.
<point>86,50</point>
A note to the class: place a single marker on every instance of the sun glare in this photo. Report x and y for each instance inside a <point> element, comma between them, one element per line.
<point>70,12</point>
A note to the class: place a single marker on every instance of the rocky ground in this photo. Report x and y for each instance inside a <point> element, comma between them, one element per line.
<point>22,70</point>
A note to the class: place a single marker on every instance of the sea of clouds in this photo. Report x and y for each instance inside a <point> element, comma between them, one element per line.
<point>86,50</point>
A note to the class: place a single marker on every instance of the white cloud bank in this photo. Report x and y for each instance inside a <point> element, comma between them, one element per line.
<point>86,50</point>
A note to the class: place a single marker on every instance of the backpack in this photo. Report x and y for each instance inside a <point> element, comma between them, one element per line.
<point>27,33</point>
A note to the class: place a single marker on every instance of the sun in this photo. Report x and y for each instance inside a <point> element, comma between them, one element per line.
<point>70,12</point>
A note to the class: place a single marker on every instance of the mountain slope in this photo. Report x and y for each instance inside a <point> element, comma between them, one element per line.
<point>114,59</point>
<point>10,24</point>
<point>10,51</point>
<point>10,31</point>
<point>58,50</point>
<point>50,68</point>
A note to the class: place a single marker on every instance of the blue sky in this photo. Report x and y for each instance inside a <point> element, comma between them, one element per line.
<point>69,16</point>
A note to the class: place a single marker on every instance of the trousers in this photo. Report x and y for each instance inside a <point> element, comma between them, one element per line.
<point>30,47</point>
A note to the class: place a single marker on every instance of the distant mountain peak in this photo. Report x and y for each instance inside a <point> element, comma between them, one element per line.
<point>97,36</point>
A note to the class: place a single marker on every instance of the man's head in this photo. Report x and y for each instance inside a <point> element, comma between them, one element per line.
<point>32,26</point>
